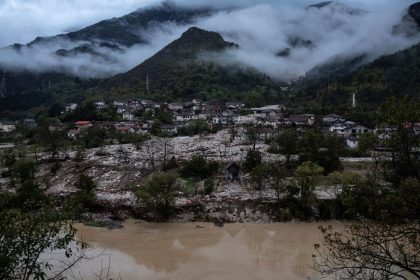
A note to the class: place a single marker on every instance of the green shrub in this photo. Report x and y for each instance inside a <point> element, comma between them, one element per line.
<point>208,186</point>
<point>159,193</point>
<point>199,168</point>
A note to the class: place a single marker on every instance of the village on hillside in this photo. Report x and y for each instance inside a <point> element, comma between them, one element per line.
<point>195,117</point>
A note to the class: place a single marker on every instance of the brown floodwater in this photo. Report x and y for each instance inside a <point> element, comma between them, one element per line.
<point>202,251</point>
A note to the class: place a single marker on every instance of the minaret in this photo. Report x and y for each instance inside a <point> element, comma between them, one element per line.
<point>147,84</point>
<point>354,101</point>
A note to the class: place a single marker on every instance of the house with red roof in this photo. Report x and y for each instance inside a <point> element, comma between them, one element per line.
<point>83,124</point>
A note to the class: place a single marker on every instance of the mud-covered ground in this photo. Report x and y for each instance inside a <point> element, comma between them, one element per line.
<point>116,169</point>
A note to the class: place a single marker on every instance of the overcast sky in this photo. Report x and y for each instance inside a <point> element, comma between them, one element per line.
<point>23,20</point>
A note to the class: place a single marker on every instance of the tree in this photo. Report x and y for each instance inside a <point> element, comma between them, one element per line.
<point>159,149</point>
<point>54,141</point>
<point>55,110</point>
<point>159,193</point>
<point>92,137</point>
<point>138,139</point>
<point>167,150</point>
<point>80,154</point>
<point>8,158</point>
<point>23,170</point>
<point>85,183</point>
<point>253,159</point>
<point>151,149</point>
<point>340,180</point>
<point>307,173</point>
<point>199,168</point>
<point>195,127</point>
<point>370,250</point>
<point>398,116</point>
<point>259,178</point>
<point>26,236</point>
<point>278,175</point>
<point>252,136</point>
<point>367,142</point>
<point>286,143</point>
<point>322,150</point>
<point>84,198</point>
<point>387,244</point>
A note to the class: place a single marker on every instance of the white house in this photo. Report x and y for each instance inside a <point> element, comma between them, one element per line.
<point>234,105</point>
<point>127,116</point>
<point>300,120</point>
<point>100,105</point>
<point>119,104</point>
<point>186,116</point>
<point>175,107</point>
<point>339,129</point>
<point>356,130</point>
<point>7,126</point>
<point>73,133</point>
<point>71,107</point>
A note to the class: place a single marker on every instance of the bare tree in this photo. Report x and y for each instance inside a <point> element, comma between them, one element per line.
<point>151,148</point>
<point>252,136</point>
<point>167,151</point>
<point>159,149</point>
<point>370,250</point>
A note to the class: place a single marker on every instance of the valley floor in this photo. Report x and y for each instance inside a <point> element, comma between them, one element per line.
<point>116,169</point>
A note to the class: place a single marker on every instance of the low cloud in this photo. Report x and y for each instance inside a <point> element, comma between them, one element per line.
<point>262,30</point>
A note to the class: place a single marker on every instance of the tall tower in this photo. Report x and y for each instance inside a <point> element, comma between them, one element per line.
<point>354,101</point>
<point>3,86</point>
<point>147,84</point>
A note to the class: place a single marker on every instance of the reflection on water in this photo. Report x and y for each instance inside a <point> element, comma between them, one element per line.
<point>203,251</point>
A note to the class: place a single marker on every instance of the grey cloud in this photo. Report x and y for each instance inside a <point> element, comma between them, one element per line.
<point>261,28</point>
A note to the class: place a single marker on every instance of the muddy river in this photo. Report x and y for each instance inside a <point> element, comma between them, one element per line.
<point>201,251</point>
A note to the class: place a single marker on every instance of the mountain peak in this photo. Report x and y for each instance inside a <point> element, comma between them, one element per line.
<point>320,5</point>
<point>414,12</point>
<point>410,23</point>
<point>197,39</point>
<point>335,7</point>
<point>198,33</point>
<point>173,62</point>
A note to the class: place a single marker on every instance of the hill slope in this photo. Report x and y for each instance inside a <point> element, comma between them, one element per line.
<point>177,71</point>
<point>392,75</point>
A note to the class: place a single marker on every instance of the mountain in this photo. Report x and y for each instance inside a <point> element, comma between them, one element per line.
<point>183,69</point>
<point>414,12</point>
<point>396,75</point>
<point>24,91</point>
<point>70,56</point>
<point>295,43</point>
<point>130,29</point>
<point>344,64</point>
<point>335,7</point>
<point>410,23</point>
<point>98,50</point>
